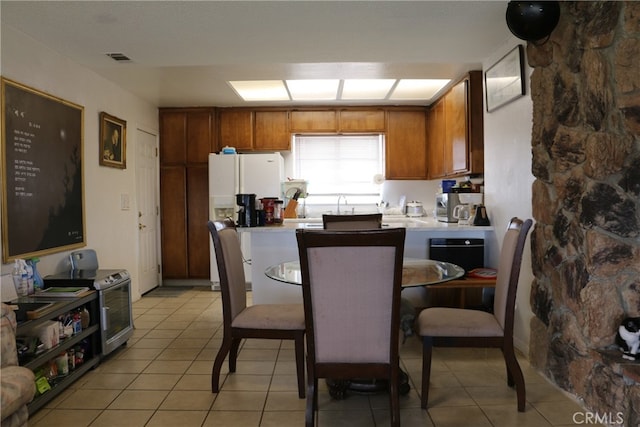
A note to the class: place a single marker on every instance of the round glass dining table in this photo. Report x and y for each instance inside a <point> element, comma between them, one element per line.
<point>415,272</point>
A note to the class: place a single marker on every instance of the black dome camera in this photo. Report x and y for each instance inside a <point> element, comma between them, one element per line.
<point>532,20</point>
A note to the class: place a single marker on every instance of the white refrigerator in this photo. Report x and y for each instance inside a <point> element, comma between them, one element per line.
<point>261,174</point>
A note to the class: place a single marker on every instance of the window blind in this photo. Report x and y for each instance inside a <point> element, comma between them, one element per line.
<point>339,165</point>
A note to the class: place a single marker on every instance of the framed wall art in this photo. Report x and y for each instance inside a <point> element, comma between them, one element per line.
<point>113,141</point>
<point>504,80</point>
<point>42,185</point>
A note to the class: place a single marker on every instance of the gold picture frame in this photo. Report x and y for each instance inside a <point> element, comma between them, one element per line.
<point>42,173</point>
<point>113,141</point>
<point>504,80</point>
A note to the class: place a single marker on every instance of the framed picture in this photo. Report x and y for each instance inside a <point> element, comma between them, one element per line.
<point>113,141</point>
<point>504,80</point>
<point>42,173</point>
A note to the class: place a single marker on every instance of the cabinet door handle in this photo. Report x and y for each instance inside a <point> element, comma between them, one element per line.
<point>105,318</point>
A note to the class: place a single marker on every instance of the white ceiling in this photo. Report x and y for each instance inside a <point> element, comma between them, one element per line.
<point>183,52</point>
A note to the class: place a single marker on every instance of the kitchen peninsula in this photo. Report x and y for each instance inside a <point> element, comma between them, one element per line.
<point>275,244</point>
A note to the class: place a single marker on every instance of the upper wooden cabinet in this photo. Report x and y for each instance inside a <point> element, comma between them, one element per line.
<point>456,131</point>
<point>313,121</point>
<point>406,146</point>
<point>272,131</point>
<point>186,135</point>
<point>236,128</point>
<point>435,139</point>
<point>254,130</point>
<point>361,121</point>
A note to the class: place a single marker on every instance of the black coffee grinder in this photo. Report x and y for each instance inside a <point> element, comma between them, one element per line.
<point>247,214</point>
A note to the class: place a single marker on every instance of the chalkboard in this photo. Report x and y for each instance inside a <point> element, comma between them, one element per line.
<point>42,186</point>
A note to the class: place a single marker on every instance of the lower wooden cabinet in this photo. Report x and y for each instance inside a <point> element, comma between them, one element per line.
<point>173,205</point>
<point>184,202</point>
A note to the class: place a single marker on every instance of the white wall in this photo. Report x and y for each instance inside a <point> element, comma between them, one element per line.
<point>112,232</point>
<point>508,180</point>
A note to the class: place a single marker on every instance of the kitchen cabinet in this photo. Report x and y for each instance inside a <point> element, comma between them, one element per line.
<point>173,220</point>
<point>435,139</point>
<point>254,130</point>
<point>187,136</point>
<point>86,341</point>
<point>456,141</point>
<point>313,121</point>
<point>361,121</point>
<point>272,131</point>
<point>406,146</point>
<point>236,128</point>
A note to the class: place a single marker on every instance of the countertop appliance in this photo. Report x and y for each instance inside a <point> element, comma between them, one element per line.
<point>445,205</point>
<point>415,209</point>
<point>261,174</point>
<point>114,296</point>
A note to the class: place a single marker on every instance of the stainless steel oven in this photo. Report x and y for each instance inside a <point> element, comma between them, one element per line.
<point>114,296</point>
<point>116,319</point>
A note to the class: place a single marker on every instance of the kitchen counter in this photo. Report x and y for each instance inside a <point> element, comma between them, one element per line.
<point>391,221</point>
<point>275,244</point>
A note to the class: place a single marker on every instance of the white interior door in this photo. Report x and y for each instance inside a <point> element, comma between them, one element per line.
<point>147,201</point>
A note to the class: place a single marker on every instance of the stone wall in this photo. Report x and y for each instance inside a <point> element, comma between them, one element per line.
<point>585,89</point>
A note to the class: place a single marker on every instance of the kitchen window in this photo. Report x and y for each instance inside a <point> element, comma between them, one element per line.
<point>336,165</point>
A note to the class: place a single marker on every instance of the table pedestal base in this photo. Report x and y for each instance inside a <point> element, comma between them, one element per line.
<point>338,388</point>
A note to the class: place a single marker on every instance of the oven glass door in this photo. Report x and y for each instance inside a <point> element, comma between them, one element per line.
<point>117,322</point>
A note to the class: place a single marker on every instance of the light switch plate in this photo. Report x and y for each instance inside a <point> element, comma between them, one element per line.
<point>124,202</point>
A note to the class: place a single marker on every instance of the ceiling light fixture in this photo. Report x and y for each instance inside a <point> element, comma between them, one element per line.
<point>354,89</point>
<point>313,90</point>
<point>261,90</point>
<point>416,89</point>
<point>316,90</point>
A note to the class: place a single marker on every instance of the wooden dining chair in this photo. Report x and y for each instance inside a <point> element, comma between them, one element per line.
<point>351,283</point>
<point>352,222</point>
<point>457,327</point>
<point>264,321</point>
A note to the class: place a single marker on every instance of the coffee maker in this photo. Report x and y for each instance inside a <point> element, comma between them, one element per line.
<point>247,216</point>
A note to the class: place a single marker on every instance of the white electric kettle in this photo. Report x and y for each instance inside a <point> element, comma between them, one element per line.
<point>462,213</point>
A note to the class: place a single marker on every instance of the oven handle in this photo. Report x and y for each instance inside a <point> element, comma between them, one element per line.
<point>103,318</point>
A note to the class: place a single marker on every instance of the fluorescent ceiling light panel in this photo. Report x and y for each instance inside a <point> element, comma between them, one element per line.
<point>261,90</point>
<point>417,88</point>
<point>366,88</point>
<point>313,90</point>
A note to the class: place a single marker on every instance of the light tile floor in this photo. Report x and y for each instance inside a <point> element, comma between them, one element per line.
<point>162,378</point>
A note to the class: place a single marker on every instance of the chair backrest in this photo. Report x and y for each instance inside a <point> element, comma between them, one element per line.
<point>352,222</point>
<point>226,244</point>
<point>509,272</point>
<point>351,282</point>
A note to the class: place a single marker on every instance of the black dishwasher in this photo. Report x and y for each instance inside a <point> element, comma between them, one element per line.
<point>467,253</point>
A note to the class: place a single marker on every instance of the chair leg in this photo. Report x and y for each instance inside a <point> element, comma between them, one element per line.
<point>514,373</point>
<point>217,364</point>
<point>427,350</point>
<point>299,349</point>
<point>312,399</point>
<point>233,353</point>
<point>394,398</point>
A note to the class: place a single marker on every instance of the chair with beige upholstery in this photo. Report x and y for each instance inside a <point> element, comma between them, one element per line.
<point>352,222</point>
<point>351,292</point>
<point>456,327</point>
<point>264,321</point>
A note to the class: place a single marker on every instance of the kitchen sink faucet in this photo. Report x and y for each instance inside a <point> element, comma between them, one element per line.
<point>338,205</point>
